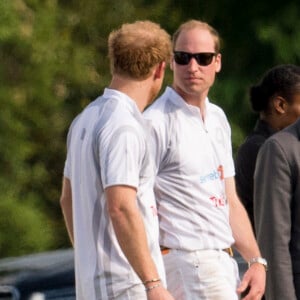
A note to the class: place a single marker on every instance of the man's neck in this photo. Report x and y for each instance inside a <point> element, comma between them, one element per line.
<point>195,100</point>
<point>136,90</point>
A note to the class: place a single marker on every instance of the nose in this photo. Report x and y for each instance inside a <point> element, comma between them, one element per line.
<point>193,65</point>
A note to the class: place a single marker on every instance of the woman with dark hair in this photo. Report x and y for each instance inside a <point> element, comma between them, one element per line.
<point>277,100</point>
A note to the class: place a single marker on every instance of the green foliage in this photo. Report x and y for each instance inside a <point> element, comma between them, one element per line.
<point>283,37</point>
<point>53,57</point>
<point>23,228</point>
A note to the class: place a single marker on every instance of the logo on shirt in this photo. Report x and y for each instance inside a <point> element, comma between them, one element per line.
<point>218,202</point>
<point>215,175</point>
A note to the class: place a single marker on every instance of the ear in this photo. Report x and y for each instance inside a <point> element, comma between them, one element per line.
<point>160,70</point>
<point>172,63</point>
<point>218,62</point>
<point>280,104</point>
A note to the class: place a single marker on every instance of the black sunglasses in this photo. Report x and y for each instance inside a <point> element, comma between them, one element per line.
<point>203,59</point>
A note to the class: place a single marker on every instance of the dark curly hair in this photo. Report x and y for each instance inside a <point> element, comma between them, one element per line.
<point>282,80</point>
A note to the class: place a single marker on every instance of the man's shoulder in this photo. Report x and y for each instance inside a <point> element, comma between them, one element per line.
<point>217,116</point>
<point>216,109</point>
<point>157,109</point>
<point>105,113</point>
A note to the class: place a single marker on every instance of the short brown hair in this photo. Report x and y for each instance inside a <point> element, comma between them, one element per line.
<point>191,24</point>
<point>134,49</point>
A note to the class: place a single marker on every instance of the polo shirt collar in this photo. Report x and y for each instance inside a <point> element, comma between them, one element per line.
<point>180,102</point>
<point>126,100</point>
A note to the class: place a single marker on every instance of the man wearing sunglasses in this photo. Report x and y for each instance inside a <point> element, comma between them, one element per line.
<point>201,217</point>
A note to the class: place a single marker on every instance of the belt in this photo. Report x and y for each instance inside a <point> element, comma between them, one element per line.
<point>165,250</point>
<point>229,251</point>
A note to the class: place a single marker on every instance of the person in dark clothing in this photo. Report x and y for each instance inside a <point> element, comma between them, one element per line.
<point>277,209</point>
<point>276,99</point>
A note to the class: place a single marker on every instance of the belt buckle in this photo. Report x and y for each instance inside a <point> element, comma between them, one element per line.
<point>229,251</point>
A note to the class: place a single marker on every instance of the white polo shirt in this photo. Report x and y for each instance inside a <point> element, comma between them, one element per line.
<point>192,160</point>
<point>107,145</point>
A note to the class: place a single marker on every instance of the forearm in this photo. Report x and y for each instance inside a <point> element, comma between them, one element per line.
<point>66,206</point>
<point>130,232</point>
<point>245,241</point>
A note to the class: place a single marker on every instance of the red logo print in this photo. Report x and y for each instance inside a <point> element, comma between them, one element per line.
<point>217,202</point>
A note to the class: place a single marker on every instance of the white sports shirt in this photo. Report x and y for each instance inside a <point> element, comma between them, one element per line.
<point>192,160</point>
<point>107,145</point>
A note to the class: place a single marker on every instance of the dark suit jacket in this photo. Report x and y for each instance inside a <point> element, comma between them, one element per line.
<point>277,211</point>
<point>245,164</point>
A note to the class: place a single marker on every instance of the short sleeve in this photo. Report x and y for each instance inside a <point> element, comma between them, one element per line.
<point>120,157</point>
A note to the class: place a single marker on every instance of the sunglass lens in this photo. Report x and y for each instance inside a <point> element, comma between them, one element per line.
<point>204,59</point>
<point>182,58</point>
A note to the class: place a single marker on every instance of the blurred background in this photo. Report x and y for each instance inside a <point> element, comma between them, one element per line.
<point>53,62</point>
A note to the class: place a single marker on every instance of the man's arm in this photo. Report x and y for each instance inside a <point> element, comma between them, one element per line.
<point>130,231</point>
<point>272,212</point>
<point>66,206</point>
<point>245,243</point>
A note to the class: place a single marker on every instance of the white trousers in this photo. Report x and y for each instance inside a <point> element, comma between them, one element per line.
<point>136,292</point>
<point>201,275</point>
